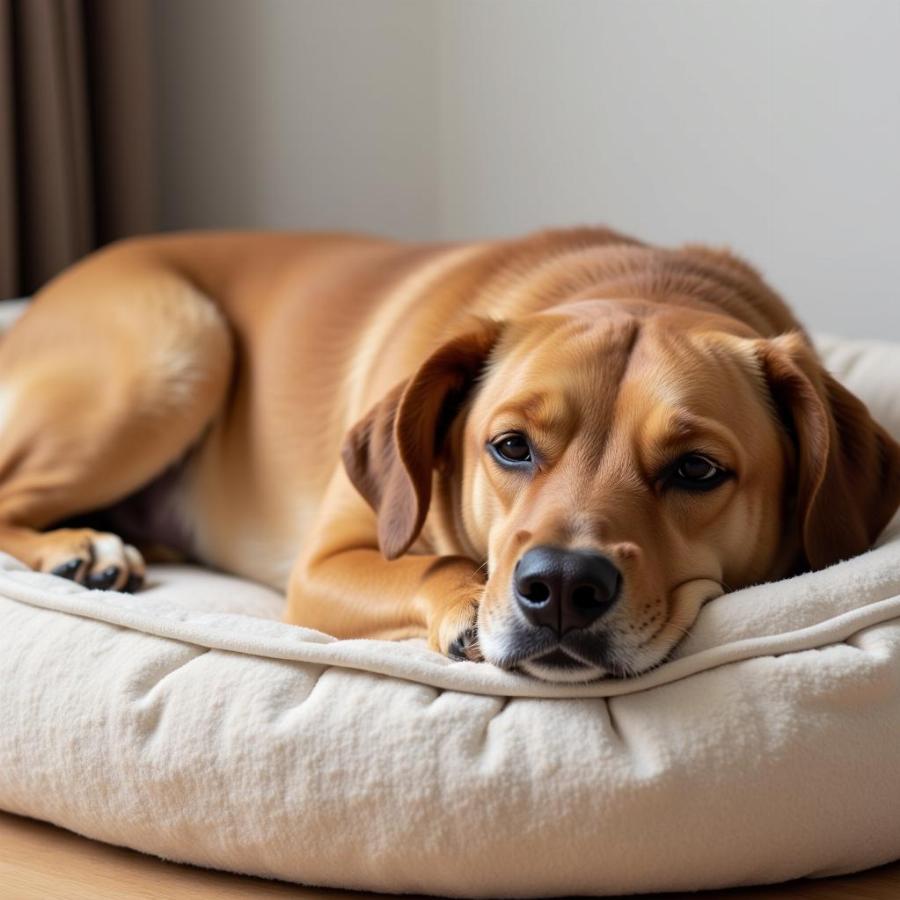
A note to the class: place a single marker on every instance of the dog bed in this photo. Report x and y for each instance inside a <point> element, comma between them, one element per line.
<point>189,723</point>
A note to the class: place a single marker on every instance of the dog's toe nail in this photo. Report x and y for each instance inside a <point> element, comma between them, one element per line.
<point>67,569</point>
<point>134,583</point>
<point>102,580</point>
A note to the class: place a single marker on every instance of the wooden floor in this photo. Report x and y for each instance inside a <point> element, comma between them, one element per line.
<point>40,862</point>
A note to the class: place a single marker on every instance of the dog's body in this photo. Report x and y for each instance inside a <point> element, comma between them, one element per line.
<point>201,390</point>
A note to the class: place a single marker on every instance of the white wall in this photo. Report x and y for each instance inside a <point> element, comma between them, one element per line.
<point>298,113</point>
<point>771,125</point>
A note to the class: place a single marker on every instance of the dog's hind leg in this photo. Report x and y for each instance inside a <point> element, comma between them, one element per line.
<point>111,375</point>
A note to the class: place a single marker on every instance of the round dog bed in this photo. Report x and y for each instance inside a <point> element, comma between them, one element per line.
<point>188,722</point>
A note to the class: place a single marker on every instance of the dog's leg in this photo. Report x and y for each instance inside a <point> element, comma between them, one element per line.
<point>342,585</point>
<point>103,383</point>
<point>357,593</point>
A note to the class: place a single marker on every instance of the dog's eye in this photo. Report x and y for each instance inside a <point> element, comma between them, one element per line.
<point>697,472</point>
<point>512,448</point>
<point>696,468</point>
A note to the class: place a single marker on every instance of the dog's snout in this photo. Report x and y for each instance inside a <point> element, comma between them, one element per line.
<point>565,589</point>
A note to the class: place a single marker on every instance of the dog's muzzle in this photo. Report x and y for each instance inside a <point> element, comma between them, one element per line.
<point>561,594</point>
<point>565,589</point>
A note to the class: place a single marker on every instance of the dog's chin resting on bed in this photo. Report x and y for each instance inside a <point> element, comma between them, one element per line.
<point>547,453</point>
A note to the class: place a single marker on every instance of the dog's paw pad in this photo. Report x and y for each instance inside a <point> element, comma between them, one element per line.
<point>134,583</point>
<point>98,560</point>
<point>104,579</point>
<point>465,646</point>
<point>68,569</point>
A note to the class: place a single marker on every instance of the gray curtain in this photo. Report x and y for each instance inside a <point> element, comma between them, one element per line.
<point>77,152</point>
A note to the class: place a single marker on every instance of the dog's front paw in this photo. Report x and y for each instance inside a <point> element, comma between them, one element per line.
<point>95,559</point>
<point>465,646</point>
<point>455,632</point>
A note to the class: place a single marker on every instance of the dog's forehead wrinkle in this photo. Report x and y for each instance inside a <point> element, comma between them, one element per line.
<point>689,373</point>
<point>603,363</point>
<point>560,372</point>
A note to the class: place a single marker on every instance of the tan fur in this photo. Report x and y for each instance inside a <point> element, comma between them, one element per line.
<point>258,362</point>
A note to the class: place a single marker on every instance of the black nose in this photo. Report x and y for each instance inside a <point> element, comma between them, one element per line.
<point>565,589</point>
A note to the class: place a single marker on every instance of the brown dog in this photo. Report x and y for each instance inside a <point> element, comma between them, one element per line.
<point>554,449</point>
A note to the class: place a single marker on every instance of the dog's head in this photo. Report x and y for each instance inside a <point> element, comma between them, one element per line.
<point>616,467</point>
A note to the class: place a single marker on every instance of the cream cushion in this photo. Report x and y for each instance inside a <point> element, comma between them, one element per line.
<point>188,722</point>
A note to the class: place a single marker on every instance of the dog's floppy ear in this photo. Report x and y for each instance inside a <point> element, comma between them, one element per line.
<point>848,467</point>
<point>390,454</point>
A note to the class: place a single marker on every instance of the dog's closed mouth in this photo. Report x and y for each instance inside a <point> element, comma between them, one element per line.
<point>560,666</point>
<point>577,656</point>
<point>559,659</point>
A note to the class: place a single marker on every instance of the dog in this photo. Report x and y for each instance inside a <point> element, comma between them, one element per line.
<point>547,452</point>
